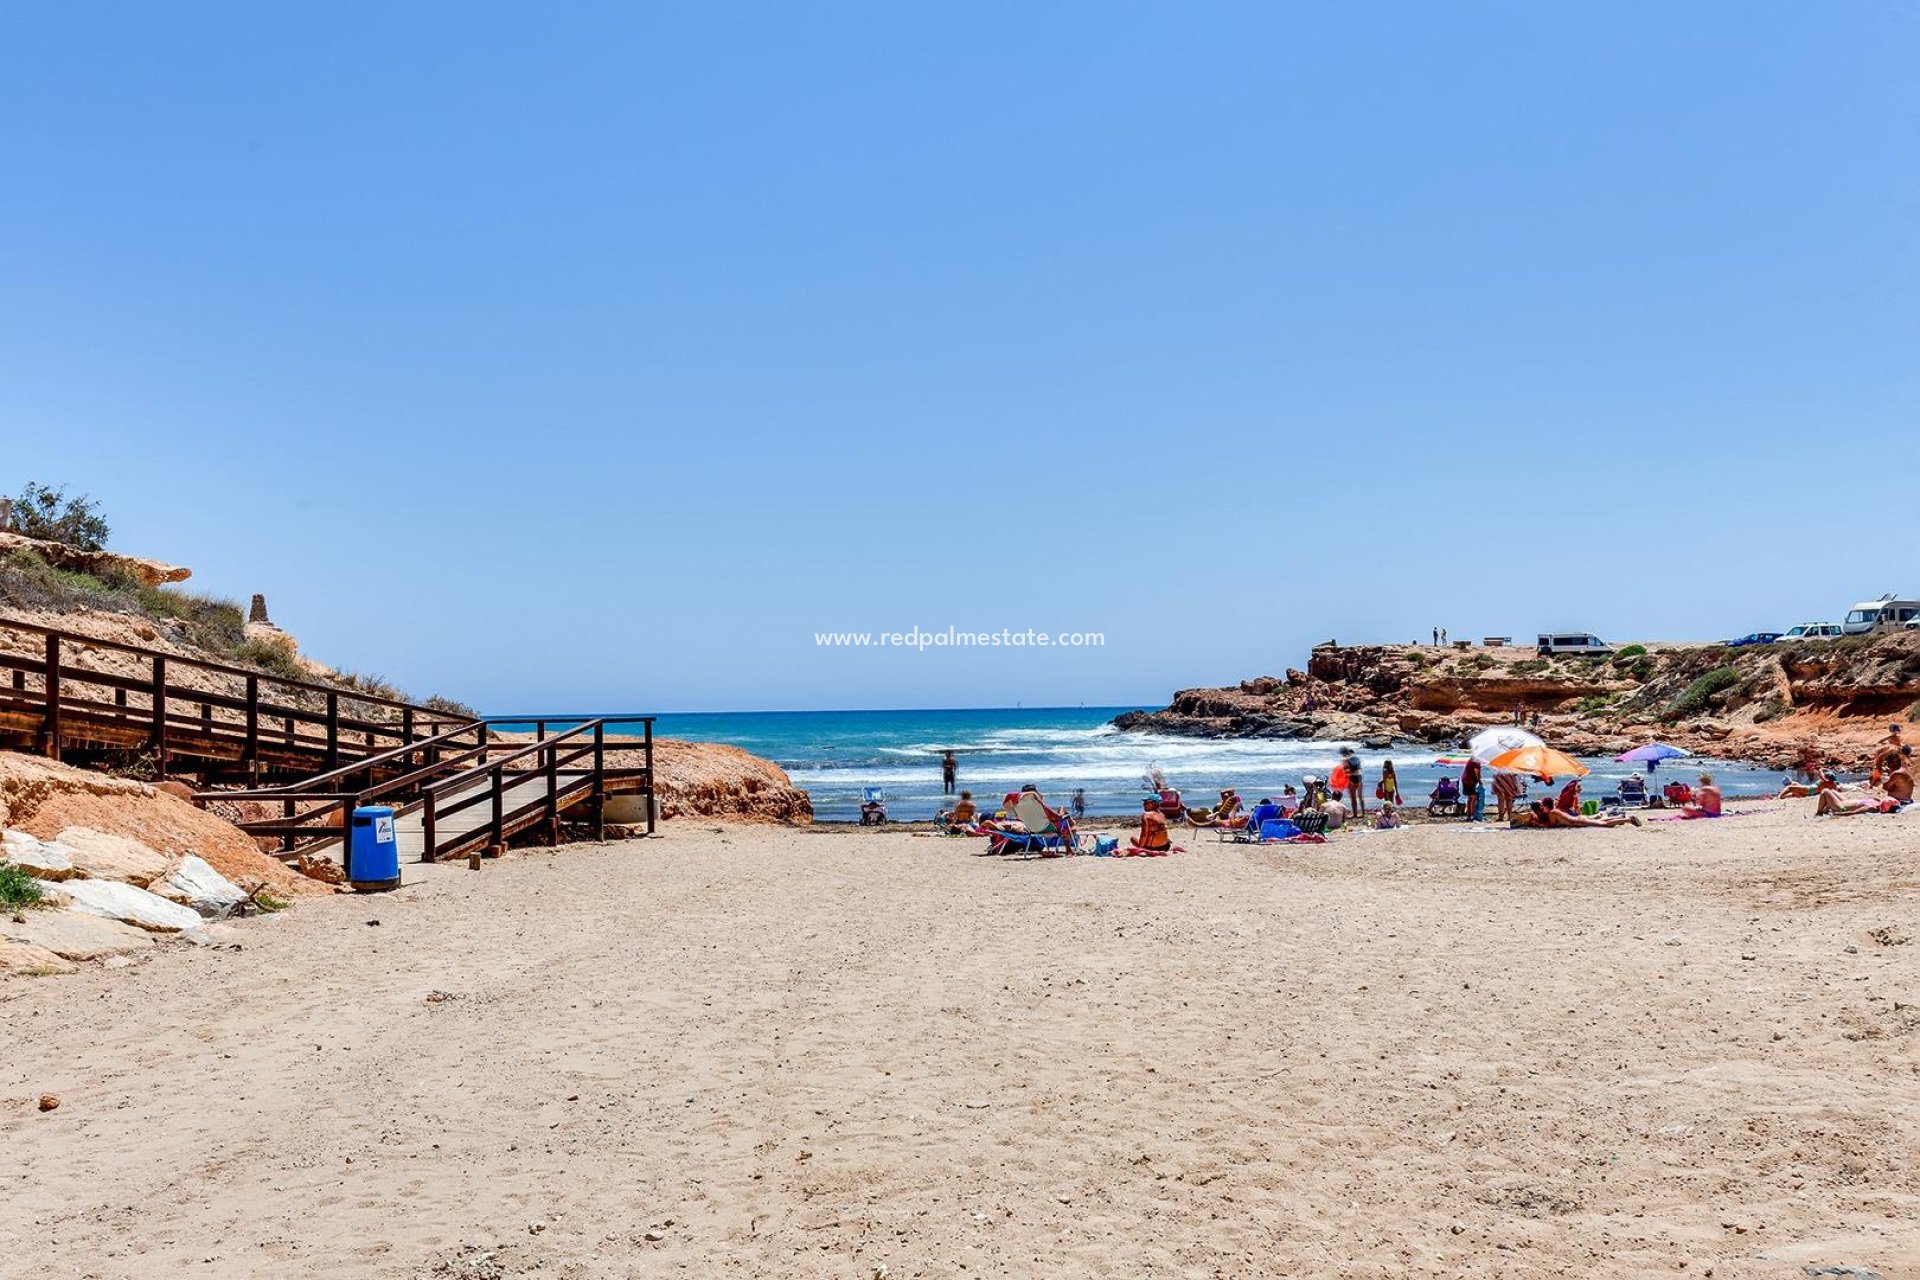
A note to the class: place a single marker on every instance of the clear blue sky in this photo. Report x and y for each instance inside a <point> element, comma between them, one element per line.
<point>597,355</point>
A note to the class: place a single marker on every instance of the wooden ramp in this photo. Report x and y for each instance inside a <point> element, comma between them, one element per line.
<point>454,783</point>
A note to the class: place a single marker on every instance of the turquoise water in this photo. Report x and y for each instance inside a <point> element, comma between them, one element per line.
<point>834,754</point>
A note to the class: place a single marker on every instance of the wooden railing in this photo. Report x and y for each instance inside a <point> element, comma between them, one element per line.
<point>190,709</point>
<point>452,780</point>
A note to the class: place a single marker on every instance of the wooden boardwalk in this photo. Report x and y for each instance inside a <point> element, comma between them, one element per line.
<point>455,785</point>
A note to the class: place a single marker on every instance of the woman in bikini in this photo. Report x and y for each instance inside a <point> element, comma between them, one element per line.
<point>1154,841</point>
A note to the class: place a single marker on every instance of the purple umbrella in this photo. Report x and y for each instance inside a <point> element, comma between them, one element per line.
<point>1652,751</point>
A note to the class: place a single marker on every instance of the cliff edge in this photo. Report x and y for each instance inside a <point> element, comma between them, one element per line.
<point>1775,704</point>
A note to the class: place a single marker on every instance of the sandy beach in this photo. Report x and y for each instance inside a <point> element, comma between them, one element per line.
<point>767,1051</point>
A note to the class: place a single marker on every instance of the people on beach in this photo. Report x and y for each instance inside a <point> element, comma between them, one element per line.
<point>963,813</point>
<point>1388,817</point>
<point>1506,793</point>
<point>1833,803</point>
<point>1330,807</point>
<point>949,771</point>
<point>1356,799</point>
<point>1079,803</point>
<point>1546,814</point>
<point>1569,799</point>
<point>1227,813</point>
<point>1706,800</point>
<point>1474,790</point>
<point>1899,783</point>
<point>1153,839</point>
<point>1388,789</point>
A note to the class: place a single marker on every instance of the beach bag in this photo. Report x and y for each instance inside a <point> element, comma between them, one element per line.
<point>1379,791</point>
<point>1105,846</point>
<point>1338,779</point>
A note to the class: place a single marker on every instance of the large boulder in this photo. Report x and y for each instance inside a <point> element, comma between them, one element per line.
<point>131,905</point>
<point>42,859</point>
<point>74,935</point>
<point>195,883</point>
<point>105,856</point>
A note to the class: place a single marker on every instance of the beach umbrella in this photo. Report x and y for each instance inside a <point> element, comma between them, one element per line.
<point>1541,761</point>
<point>1652,751</point>
<point>1488,743</point>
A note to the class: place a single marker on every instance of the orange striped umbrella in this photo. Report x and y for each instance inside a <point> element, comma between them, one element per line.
<point>1541,761</point>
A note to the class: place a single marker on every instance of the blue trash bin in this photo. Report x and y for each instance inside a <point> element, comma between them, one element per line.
<point>373,854</point>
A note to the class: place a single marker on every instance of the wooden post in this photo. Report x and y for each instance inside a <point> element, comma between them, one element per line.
<point>253,721</point>
<point>499,825</point>
<point>427,851</point>
<point>406,726</point>
<point>286,838</point>
<point>159,716</point>
<point>650,801</point>
<point>553,793</point>
<point>53,696</point>
<point>600,781</point>
<point>333,729</point>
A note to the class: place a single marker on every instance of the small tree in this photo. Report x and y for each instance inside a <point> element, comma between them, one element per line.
<point>51,515</point>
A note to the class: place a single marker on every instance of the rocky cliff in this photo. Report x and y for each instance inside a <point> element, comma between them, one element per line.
<point>714,780</point>
<point>1775,704</point>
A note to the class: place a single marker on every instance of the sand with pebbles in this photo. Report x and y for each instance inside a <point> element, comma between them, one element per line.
<point>770,1052</point>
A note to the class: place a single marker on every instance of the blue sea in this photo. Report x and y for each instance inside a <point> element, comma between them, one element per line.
<point>834,754</point>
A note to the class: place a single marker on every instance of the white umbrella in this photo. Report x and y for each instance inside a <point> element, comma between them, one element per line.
<point>1488,743</point>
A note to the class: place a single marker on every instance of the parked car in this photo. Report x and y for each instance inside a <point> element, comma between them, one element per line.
<point>1812,631</point>
<point>1754,637</point>
<point>1876,615</point>
<point>1579,643</point>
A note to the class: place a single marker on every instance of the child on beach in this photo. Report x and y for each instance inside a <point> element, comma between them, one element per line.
<point>1388,792</point>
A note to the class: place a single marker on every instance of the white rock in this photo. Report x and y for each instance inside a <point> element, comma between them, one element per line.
<point>204,889</point>
<point>73,935</point>
<point>44,859</point>
<point>109,857</point>
<point>134,906</point>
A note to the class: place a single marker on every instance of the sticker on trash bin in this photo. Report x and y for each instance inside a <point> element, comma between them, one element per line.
<point>382,830</point>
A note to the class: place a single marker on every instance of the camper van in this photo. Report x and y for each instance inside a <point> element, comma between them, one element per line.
<point>1879,615</point>
<point>1578,643</point>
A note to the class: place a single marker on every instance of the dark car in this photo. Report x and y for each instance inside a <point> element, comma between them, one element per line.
<point>1754,637</point>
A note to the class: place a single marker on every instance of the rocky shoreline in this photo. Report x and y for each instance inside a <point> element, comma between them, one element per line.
<point>1774,705</point>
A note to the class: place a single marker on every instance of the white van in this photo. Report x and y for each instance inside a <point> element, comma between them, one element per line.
<point>1579,643</point>
<point>1813,631</point>
<point>1875,615</point>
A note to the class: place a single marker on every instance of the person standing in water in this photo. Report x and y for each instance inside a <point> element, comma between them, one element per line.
<point>949,770</point>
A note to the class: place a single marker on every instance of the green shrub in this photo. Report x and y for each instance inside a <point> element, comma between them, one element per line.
<point>452,707</point>
<point>50,515</point>
<point>274,659</point>
<point>1695,696</point>
<point>18,889</point>
<point>1594,705</point>
<point>27,581</point>
<point>1641,669</point>
<point>1628,654</point>
<point>1529,666</point>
